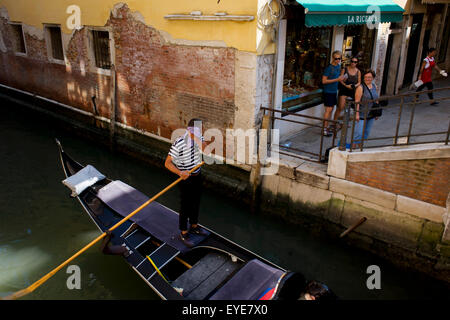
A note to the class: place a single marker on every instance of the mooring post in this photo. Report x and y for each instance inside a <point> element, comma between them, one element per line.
<point>353,227</point>
<point>256,172</point>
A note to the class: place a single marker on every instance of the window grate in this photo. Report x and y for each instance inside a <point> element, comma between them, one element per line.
<point>56,43</point>
<point>101,49</point>
<point>19,41</point>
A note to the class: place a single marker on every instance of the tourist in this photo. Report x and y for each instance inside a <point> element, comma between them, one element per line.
<point>348,87</point>
<point>365,113</point>
<point>317,291</point>
<point>425,74</point>
<point>330,79</point>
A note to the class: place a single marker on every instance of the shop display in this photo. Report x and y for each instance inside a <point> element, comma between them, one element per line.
<point>307,55</point>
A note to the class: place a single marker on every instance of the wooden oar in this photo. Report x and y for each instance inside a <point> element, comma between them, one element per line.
<point>35,285</point>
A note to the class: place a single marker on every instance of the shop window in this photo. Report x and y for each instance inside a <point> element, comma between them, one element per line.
<point>445,40</point>
<point>54,39</point>
<point>358,42</point>
<point>307,55</point>
<point>100,45</point>
<point>18,39</point>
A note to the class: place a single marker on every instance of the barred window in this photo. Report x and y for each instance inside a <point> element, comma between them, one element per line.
<point>56,47</point>
<point>18,40</point>
<point>102,55</point>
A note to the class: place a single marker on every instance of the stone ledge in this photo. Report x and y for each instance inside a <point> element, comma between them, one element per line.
<point>312,178</point>
<point>362,192</point>
<point>337,164</point>
<point>412,152</point>
<point>287,169</point>
<point>420,209</point>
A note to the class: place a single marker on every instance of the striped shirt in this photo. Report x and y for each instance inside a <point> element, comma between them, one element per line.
<point>185,153</point>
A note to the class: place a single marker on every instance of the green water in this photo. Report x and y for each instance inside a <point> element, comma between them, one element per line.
<point>41,226</point>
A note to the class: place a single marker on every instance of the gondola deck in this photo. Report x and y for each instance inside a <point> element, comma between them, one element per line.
<point>206,271</point>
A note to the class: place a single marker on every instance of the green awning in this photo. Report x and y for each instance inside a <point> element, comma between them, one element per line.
<point>349,12</point>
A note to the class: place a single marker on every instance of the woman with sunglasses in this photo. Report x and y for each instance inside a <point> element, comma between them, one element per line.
<point>348,87</point>
<point>330,79</point>
<point>364,117</point>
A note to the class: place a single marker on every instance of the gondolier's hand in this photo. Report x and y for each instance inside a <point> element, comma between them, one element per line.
<point>184,175</point>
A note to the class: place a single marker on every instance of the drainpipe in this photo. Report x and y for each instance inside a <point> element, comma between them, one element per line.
<point>112,123</point>
<point>274,85</point>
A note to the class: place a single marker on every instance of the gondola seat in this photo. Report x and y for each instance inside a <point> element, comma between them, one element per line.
<point>249,283</point>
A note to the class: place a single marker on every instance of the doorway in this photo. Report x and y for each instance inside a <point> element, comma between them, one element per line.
<point>413,48</point>
<point>387,64</point>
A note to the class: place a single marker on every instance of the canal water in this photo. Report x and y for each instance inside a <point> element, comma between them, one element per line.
<point>41,226</point>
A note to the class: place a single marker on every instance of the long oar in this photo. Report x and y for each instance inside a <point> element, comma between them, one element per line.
<point>32,287</point>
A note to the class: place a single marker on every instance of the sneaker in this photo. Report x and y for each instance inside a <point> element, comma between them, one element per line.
<point>185,239</point>
<point>434,103</point>
<point>198,231</point>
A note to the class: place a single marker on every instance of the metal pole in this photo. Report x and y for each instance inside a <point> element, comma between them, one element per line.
<point>398,121</point>
<point>413,110</point>
<point>321,140</point>
<point>353,129</point>
<point>112,115</point>
<point>366,114</point>
<point>448,134</point>
<point>343,142</point>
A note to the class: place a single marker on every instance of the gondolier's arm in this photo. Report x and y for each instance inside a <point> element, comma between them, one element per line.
<point>169,165</point>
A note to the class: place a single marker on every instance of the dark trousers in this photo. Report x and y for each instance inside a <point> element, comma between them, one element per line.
<point>429,86</point>
<point>191,192</point>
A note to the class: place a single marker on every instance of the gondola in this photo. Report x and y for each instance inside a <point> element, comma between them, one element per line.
<point>214,269</point>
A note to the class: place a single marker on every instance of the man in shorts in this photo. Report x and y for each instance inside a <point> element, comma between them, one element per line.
<point>330,80</point>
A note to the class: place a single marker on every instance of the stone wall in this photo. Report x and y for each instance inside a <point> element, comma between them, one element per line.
<point>160,86</point>
<point>408,232</point>
<point>427,180</point>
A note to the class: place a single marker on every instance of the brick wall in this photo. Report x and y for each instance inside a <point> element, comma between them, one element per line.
<point>425,180</point>
<point>160,85</point>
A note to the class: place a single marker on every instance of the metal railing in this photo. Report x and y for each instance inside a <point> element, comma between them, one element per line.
<point>405,106</point>
<point>400,111</point>
<point>304,153</point>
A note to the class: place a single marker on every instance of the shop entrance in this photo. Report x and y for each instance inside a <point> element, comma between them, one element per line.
<point>412,49</point>
<point>387,64</point>
<point>358,42</point>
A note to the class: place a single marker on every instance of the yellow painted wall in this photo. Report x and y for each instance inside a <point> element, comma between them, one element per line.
<point>240,35</point>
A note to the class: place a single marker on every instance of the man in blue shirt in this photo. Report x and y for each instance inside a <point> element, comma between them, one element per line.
<point>330,79</point>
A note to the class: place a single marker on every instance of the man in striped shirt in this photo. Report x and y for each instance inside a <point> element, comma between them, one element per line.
<point>183,156</point>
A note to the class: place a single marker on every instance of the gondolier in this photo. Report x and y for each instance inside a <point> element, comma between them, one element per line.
<point>228,271</point>
<point>183,156</point>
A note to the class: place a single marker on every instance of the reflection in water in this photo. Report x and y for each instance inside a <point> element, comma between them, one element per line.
<point>17,265</point>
